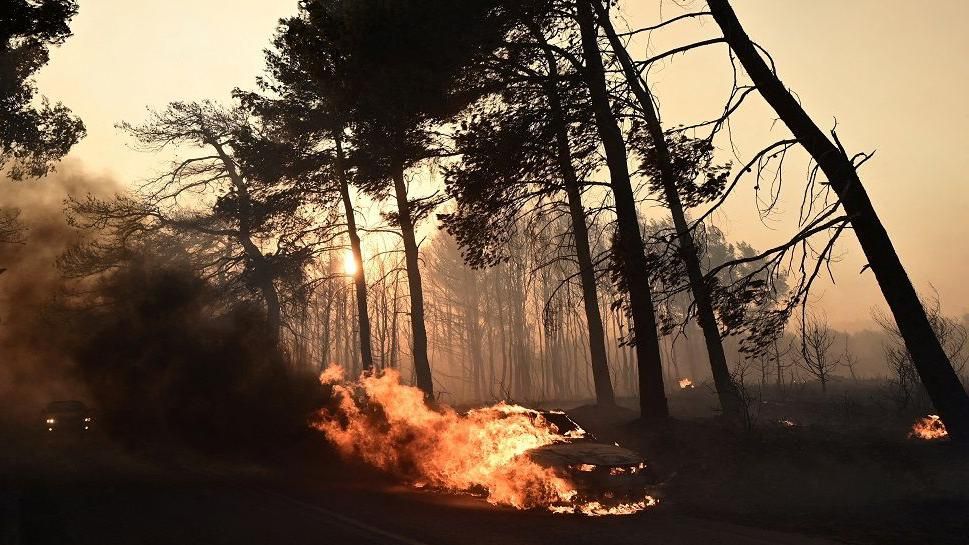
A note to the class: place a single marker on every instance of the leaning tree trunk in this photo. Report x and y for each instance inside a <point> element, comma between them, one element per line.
<point>422,367</point>
<point>629,240</point>
<point>940,380</point>
<point>359,276</point>
<point>730,400</point>
<point>580,236</point>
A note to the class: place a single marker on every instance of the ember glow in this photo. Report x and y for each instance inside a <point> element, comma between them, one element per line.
<point>686,384</point>
<point>929,428</point>
<point>389,426</point>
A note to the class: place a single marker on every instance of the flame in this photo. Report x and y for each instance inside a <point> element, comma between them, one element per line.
<point>389,426</point>
<point>686,384</point>
<point>929,428</point>
<point>332,374</point>
<point>787,423</point>
<point>596,509</point>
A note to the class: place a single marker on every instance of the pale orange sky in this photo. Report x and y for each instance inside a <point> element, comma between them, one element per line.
<point>893,73</point>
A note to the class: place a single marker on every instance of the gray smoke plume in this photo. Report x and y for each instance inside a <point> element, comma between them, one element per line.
<point>33,233</point>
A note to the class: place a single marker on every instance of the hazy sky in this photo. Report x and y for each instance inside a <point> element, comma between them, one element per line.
<point>893,73</point>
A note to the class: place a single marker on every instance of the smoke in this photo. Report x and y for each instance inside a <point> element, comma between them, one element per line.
<point>32,369</point>
<point>166,359</point>
<point>158,350</point>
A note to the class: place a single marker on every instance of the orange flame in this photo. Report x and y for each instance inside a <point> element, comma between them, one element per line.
<point>929,428</point>
<point>686,384</point>
<point>389,426</point>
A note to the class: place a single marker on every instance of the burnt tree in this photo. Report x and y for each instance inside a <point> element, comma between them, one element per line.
<point>672,181</point>
<point>629,246</point>
<point>520,160</point>
<point>933,365</point>
<point>305,97</point>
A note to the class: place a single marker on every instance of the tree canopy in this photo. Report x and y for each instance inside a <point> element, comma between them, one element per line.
<point>33,132</point>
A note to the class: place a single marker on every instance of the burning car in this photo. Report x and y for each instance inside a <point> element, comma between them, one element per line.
<point>68,416</point>
<point>603,473</point>
<point>600,472</point>
<point>508,454</point>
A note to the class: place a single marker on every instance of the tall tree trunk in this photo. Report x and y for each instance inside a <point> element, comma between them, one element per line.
<point>263,272</point>
<point>940,379</point>
<point>490,321</point>
<point>326,358</point>
<point>274,313</point>
<point>422,367</point>
<point>348,338</point>
<point>580,237</point>
<point>339,323</point>
<point>394,334</point>
<point>629,240</point>
<point>730,400</point>
<point>501,291</point>
<point>359,276</point>
<point>473,331</point>
<point>472,327</point>
<point>521,352</point>
<point>779,364</point>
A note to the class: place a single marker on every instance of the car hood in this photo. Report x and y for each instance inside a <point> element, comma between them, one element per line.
<point>597,454</point>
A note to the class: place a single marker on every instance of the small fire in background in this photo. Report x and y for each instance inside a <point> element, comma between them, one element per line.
<point>929,428</point>
<point>686,384</point>
<point>787,423</point>
<point>389,426</point>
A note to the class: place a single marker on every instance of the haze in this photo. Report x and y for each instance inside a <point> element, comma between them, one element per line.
<point>896,83</point>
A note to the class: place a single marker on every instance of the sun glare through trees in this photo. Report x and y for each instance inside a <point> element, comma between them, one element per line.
<point>483,271</point>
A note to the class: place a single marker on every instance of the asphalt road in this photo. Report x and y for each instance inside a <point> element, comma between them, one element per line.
<point>105,501</point>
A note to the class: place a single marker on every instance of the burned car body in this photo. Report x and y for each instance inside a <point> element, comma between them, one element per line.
<point>600,471</point>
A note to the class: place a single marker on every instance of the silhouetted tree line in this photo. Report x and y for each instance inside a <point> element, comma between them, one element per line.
<point>530,132</point>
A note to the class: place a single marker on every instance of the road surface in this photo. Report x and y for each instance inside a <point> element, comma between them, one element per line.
<point>99,501</point>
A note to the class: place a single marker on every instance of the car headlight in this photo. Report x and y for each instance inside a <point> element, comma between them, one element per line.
<point>51,421</point>
<point>87,418</point>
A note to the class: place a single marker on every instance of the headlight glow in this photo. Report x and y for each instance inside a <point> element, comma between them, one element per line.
<point>51,420</point>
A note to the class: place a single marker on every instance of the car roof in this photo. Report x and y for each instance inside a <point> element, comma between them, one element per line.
<point>598,454</point>
<point>66,405</point>
<point>561,421</point>
<point>565,425</point>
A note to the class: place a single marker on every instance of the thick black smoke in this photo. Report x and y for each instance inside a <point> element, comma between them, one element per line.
<point>167,359</point>
<point>160,352</point>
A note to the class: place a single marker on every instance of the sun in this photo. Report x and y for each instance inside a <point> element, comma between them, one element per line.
<point>349,264</point>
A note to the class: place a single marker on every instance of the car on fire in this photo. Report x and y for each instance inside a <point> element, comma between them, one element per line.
<point>68,416</point>
<point>600,471</point>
